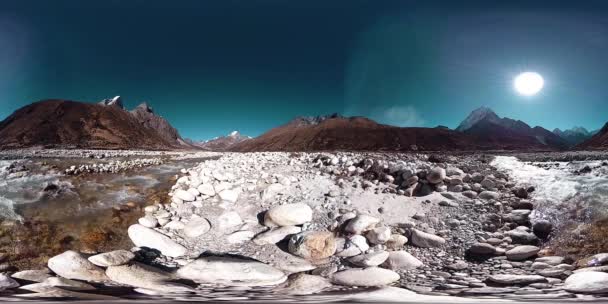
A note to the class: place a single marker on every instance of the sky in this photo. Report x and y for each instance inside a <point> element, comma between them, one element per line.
<point>211,67</point>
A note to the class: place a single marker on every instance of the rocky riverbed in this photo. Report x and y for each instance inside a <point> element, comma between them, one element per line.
<point>333,226</point>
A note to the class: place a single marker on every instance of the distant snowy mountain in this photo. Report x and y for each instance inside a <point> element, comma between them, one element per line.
<point>487,127</point>
<point>574,136</point>
<point>221,143</point>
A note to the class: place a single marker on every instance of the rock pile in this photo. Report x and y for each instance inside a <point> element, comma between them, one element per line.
<point>307,223</point>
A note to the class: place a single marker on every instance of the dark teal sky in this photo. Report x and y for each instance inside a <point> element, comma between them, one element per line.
<point>211,67</point>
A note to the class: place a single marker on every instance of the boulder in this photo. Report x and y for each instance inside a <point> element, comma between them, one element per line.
<point>313,245</point>
<point>401,260</point>
<point>481,249</point>
<point>396,242</point>
<point>305,284</point>
<point>355,245</point>
<point>184,195</point>
<point>230,196</point>
<point>426,240</point>
<point>521,253</point>
<point>7,283</point>
<point>436,175</point>
<point>587,282</point>
<point>112,258</point>
<point>146,237</point>
<point>369,259</point>
<point>368,277</point>
<point>288,215</point>
<point>361,223</point>
<point>276,235</point>
<point>144,276</point>
<point>196,227</point>
<point>231,272</point>
<point>379,235</point>
<point>32,275</point>
<point>519,279</point>
<point>73,265</point>
<point>206,189</point>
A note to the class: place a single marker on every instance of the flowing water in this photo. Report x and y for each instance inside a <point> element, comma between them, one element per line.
<point>573,195</point>
<point>44,212</point>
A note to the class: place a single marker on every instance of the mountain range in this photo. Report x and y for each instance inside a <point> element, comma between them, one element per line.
<point>108,125</point>
<point>105,125</point>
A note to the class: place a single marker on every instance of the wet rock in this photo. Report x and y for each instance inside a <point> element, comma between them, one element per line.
<point>231,272</point>
<point>313,245</point>
<point>196,227</point>
<point>426,240</point>
<point>368,277</point>
<point>288,215</point>
<point>32,275</point>
<point>369,259</point>
<point>587,282</point>
<point>521,236</point>
<point>401,260</point>
<point>112,258</point>
<point>521,253</point>
<point>361,223</point>
<point>512,279</point>
<point>520,192</point>
<point>542,228</point>
<point>73,265</point>
<point>276,235</point>
<point>146,237</point>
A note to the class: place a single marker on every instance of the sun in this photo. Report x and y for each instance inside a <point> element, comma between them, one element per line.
<point>528,83</point>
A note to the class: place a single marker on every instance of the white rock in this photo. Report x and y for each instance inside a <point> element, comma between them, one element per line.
<point>361,223</point>
<point>32,275</point>
<point>489,195</point>
<point>305,284</point>
<point>184,195</point>
<point>426,240</point>
<point>144,276</point>
<point>196,227</point>
<point>194,192</point>
<point>402,260</point>
<point>146,237</point>
<point>239,237</point>
<point>276,235</point>
<point>379,235</point>
<point>174,225</point>
<point>355,245</point>
<point>67,283</point>
<point>370,259</point>
<point>228,220</point>
<point>288,215</point>
<point>7,283</point>
<point>230,196</point>
<point>520,253</point>
<point>73,265</point>
<point>148,221</point>
<point>587,282</point>
<point>112,258</point>
<point>206,189</point>
<point>368,277</point>
<point>231,272</point>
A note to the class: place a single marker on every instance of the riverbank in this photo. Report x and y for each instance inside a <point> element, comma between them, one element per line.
<point>310,223</point>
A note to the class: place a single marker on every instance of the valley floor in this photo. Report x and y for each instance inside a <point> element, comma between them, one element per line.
<point>302,226</point>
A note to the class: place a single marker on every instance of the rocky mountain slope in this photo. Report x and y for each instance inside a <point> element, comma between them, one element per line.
<point>222,143</point>
<point>146,116</point>
<point>484,126</point>
<point>71,124</point>
<point>334,132</point>
<point>574,136</point>
<point>599,141</point>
